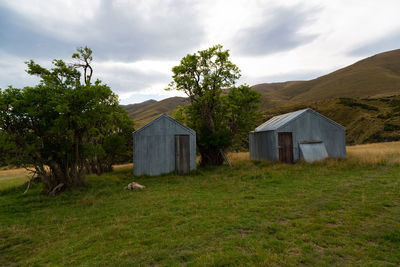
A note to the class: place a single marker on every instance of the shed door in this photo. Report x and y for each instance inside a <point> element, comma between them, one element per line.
<point>182,154</point>
<point>285,142</point>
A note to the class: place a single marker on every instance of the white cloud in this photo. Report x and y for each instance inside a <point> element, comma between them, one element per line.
<point>136,43</point>
<point>12,72</point>
<point>58,18</point>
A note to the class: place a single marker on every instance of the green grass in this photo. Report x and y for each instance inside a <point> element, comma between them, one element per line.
<point>255,213</point>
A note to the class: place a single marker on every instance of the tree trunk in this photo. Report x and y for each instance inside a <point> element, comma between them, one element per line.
<point>211,157</point>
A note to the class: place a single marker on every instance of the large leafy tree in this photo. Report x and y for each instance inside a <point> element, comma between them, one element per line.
<point>219,111</point>
<point>63,127</point>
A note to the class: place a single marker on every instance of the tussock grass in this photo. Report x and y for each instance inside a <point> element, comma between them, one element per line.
<point>13,177</point>
<point>13,173</point>
<point>333,212</point>
<point>375,153</point>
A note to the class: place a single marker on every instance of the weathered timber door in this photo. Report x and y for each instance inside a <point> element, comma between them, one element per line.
<point>182,154</point>
<point>285,142</point>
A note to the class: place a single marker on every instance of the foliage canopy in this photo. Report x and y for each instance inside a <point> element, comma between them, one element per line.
<point>61,127</point>
<point>219,112</point>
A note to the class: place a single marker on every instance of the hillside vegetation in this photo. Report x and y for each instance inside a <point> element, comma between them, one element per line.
<point>373,77</point>
<point>335,212</point>
<point>361,97</point>
<point>144,112</point>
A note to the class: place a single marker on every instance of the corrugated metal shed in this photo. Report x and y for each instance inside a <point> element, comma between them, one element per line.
<point>280,137</point>
<point>156,145</point>
<point>279,121</point>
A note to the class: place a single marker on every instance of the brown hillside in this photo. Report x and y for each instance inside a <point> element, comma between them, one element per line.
<point>150,111</point>
<point>376,76</point>
<point>133,107</point>
<point>270,87</point>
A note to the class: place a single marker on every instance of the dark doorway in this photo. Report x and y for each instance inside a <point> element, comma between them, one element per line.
<point>285,142</point>
<point>182,154</point>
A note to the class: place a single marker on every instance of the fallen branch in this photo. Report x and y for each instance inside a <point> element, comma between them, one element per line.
<point>56,189</point>
<point>29,185</point>
<point>33,177</point>
<point>225,158</point>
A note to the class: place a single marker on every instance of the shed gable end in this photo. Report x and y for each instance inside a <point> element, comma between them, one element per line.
<point>164,120</point>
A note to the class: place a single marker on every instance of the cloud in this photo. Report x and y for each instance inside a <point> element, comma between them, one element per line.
<point>279,30</point>
<point>390,41</point>
<point>300,75</point>
<point>18,37</point>
<point>117,30</point>
<point>127,78</point>
<point>136,43</point>
<point>159,30</point>
<point>13,72</point>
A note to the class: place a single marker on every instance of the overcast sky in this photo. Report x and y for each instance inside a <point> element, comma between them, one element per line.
<point>136,43</point>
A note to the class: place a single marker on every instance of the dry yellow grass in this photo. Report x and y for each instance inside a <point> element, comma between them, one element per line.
<point>23,173</point>
<point>235,157</point>
<point>369,153</point>
<point>123,166</point>
<point>375,153</point>
<point>14,173</point>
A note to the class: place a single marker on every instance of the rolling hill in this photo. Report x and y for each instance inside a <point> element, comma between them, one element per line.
<point>376,76</point>
<point>133,107</point>
<point>362,97</point>
<point>144,112</point>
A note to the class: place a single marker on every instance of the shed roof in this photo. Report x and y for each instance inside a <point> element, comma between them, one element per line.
<point>279,121</point>
<point>165,116</point>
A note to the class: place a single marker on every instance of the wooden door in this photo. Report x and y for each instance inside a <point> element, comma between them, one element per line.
<point>285,142</point>
<point>182,154</point>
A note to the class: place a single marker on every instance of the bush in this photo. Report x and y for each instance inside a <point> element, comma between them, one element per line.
<point>353,103</point>
<point>388,127</point>
<point>384,116</point>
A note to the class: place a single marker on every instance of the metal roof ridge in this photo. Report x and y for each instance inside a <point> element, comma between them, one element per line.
<point>275,119</point>
<point>300,112</point>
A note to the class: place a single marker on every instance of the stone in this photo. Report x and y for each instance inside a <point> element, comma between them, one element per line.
<point>133,186</point>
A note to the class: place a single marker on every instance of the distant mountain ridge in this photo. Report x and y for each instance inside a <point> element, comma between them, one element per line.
<point>374,77</point>
<point>133,107</point>
<point>144,112</point>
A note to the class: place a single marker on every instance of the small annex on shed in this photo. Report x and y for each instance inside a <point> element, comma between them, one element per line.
<point>303,134</point>
<point>162,146</point>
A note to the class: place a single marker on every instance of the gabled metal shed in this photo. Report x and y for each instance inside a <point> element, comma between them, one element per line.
<point>162,146</point>
<point>303,134</point>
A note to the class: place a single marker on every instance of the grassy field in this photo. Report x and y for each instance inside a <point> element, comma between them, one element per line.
<point>335,212</point>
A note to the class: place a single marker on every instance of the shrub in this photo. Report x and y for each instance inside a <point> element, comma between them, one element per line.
<point>353,103</point>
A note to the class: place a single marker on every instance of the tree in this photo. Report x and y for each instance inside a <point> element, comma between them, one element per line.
<point>219,116</point>
<point>84,57</point>
<point>63,127</point>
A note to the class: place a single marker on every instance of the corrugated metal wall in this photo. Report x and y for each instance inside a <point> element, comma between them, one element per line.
<point>262,145</point>
<point>154,146</point>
